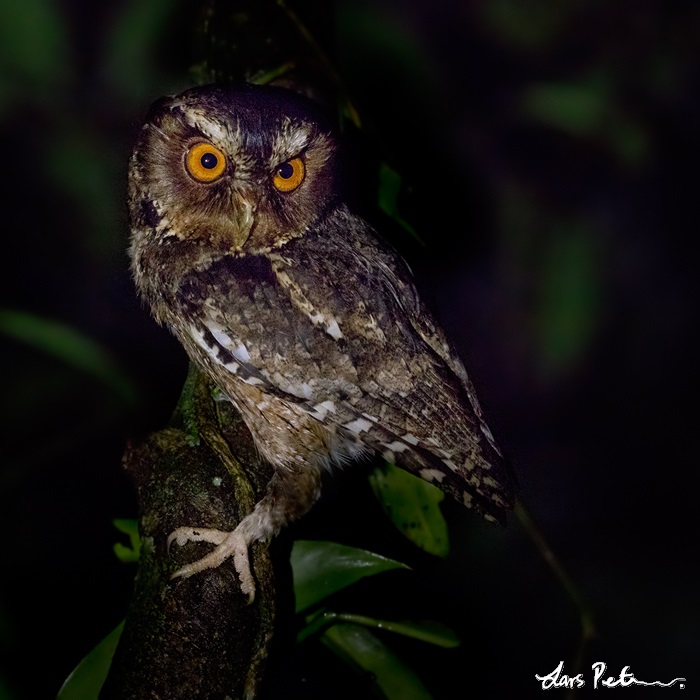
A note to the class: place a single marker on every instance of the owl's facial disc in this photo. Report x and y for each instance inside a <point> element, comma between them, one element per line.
<point>240,170</point>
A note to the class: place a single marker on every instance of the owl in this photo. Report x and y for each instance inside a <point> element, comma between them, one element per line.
<point>301,314</point>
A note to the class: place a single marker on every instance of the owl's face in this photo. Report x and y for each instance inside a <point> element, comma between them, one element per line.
<point>228,170</point>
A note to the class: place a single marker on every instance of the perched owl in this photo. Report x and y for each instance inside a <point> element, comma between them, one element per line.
<point>301,314</point>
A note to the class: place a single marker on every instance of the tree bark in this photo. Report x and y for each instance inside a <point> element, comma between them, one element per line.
<point>196,637</point>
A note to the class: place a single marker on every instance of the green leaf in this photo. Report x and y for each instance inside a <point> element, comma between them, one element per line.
<point>413,505</point>
<point>388,197</point>
<point>323,568</point>
<point>129,527</point>
<point>70,346</point>
<point>428,631</point>
<point>89,675</point>
<point>362,649</point>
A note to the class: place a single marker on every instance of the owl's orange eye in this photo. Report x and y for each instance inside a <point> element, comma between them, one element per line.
<point>204,162</point>
<point>289,175</point>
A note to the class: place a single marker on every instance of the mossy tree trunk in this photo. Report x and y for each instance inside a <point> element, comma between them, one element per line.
<point>196,637</point>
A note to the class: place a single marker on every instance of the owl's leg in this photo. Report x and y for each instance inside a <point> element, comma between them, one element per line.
<point>290,494</point>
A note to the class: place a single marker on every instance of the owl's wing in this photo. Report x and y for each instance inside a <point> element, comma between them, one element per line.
<point>434,427</point>
<point>336,327</point>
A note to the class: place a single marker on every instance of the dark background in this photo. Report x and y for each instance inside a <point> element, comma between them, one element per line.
<point>548,153</point>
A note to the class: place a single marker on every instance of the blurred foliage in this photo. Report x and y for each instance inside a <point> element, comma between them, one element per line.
<point>35,60</point>
<point>70,346</point>
<point>543,152</point>
<point>588,111</point>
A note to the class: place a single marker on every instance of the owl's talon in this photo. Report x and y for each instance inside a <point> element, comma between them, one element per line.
<point>183,535</point>
<point>229,544</point>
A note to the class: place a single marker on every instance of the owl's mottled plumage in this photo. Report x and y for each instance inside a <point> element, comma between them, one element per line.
<point>299,312</point>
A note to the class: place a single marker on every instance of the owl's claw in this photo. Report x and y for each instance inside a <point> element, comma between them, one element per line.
<point>183,535</point>
<point>228,544</point>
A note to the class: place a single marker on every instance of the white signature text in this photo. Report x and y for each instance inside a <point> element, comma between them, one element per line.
<point>558,679</point>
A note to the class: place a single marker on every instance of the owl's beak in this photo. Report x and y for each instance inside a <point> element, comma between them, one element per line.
<point>243,218</point>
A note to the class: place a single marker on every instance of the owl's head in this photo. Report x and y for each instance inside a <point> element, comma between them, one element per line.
<point>228,170</point>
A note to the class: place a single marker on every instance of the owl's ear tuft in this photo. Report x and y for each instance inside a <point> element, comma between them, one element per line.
<point>155,111</point>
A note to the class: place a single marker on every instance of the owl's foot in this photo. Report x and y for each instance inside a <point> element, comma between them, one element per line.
<point>228,544</point>
<point>289,495</point>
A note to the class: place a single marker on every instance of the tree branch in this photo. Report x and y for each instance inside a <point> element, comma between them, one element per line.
<point>196,637</point>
